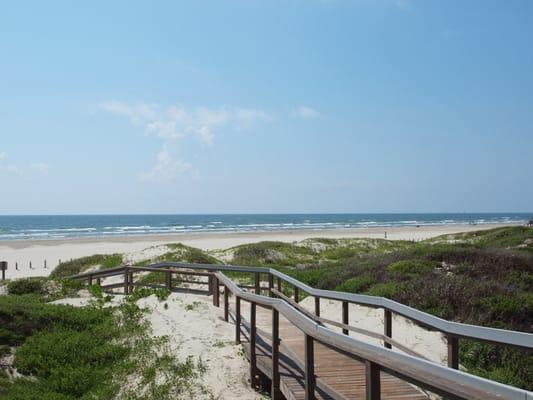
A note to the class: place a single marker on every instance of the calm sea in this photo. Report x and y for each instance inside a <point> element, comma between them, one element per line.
<point>67,226</point>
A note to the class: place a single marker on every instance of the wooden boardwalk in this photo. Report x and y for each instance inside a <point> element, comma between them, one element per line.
<point>310,361</point>
<point>338,376</point>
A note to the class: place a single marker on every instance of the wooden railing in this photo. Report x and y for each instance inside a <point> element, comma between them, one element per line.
<point>411,367</point>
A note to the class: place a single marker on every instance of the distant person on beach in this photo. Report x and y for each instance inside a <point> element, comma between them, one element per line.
<point>385,235</point>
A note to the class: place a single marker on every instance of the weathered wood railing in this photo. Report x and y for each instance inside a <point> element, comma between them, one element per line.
<point>410,367</point>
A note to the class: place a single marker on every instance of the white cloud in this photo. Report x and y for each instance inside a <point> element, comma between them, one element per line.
<point>164,129</point>
<point>10,168</point>
<point>135,112</point>
<point>38,167</point>
<point>42,168</point>
<point>176,122</point>
<point>305,112</point>
<point>167,169</point>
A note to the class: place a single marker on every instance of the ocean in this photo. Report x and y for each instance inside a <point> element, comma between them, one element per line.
<point>74,226</point>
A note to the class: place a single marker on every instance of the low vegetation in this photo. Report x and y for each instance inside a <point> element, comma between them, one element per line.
<point>78,265</point>
<point>65,352</point>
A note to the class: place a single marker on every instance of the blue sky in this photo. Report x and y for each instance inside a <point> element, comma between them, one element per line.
<point>266,106</point>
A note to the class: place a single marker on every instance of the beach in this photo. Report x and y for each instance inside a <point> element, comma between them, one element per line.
<point>21,252</point>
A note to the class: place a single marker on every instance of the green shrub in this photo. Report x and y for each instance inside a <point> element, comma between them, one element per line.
<point>78,265</point>
<point>112,261</point>
<point>271,253</point>
<point>187,254</point>
<point>141,292</point>
<point>357,284</point>
<point>21,316</point>
<point>388,289</point>
<point>410,268</point>
<point>70,362</point>
<point>27,286</point>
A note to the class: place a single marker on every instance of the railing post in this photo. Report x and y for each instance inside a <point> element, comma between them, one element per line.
<point>210,285</point>
<point>373,384</point>
<point>99,281</point>
<point>388,327</point>
<point>257,283</point>
<point>310,380</point>
<point>253,356</point>
<point>345,317</point>
<point>237,319</point>
<point>126,281</point>
<point>279,284</point>
<point>3,267</point>
<point>317,306</point>
<point>275,393</point>
<point>270,285</point>
<point>453,352</point>
<point>226,304</point>
<point>169,280</point>
<point>296,294</point>
<point>130,282</point>
<point>216,292</point>
<point>90,280</point>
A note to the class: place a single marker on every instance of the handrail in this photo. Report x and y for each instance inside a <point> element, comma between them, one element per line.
<point>432,375</point>
<point>414,369</point>
<point>458,329</point>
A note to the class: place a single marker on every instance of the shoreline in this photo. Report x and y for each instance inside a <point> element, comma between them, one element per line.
<point>393,233</point>
<point>20,253</point>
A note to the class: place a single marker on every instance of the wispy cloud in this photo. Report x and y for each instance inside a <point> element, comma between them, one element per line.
<point>41,168</point>
<point>6,167</point>
<point>304,112</point>
<point>26,170</point>
<point>176,121</point>
<point>166,169</point>
<point>135,112</point>
<point>10,168</point>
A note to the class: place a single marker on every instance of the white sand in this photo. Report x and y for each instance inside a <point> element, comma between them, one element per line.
<point>37,251</point>
<point>430,344</point>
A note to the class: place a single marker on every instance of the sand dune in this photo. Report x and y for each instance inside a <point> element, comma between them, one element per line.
<point>23,252</point>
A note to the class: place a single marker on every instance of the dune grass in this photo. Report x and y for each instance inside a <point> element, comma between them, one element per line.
<point>67,353</point>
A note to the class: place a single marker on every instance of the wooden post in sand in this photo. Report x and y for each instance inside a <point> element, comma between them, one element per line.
<point>275,392</point>
<point>257,283</point>
<point>253,355</point>
<point>3,268</point>
<point>317,306</point>
<point>216,292</point>
<point>453,352</point>
<point>226,303</point>
<point>126,281</point>
<point>388,327</point>
<point>237,320</point>
<point>169,281</point>
<point>345,318</point>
